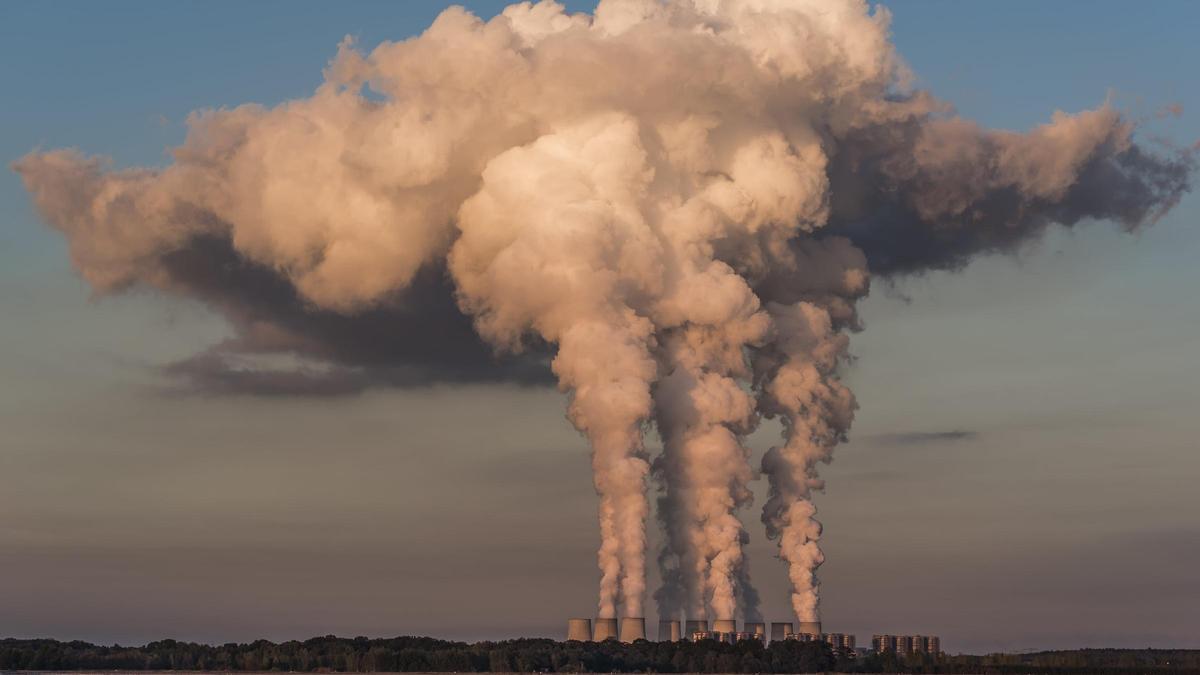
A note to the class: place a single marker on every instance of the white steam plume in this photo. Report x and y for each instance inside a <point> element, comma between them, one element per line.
<point>554,243</point>
<point>795,375</point>
<point>681,197</point>
<point>816,411</point>
<point>702,413</point>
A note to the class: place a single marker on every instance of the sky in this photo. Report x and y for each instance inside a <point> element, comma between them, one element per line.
<point>1019,476</point>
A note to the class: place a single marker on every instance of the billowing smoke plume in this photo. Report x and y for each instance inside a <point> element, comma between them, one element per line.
<point>680,201</point>
<point>795,376</point>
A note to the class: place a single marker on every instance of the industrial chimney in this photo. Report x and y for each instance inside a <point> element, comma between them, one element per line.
<point>606,629</point>
<point>757,629</point>
<point>810,627</point>
<point>632,628</point>
<point>579,629</point>
<point>725,626</point>
<point>780,630</point>
<point>669,630</point>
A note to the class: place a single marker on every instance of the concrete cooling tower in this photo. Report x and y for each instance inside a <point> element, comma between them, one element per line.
<point>758,629</point>
<point>780,630</point>
<point>725,626</point>
<point>579,629</point>
<point>810,627</point>
<point>633,628</point>
<point>694,625</point>
<point>606,629</point>
<point>669,631</point>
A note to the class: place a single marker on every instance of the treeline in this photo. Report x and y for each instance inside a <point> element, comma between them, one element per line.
<point>413,654</point>
<point>1081,661</point>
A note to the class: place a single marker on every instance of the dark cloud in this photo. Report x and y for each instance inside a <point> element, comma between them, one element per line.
<point>924,437</point>
<point>418,338</point>
<point>214,373</point>
<point>932,193</point>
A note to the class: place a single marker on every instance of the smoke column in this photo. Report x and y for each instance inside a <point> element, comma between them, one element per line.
<point>702,412</point>
<point>678,201</point>
<point>542,248</point>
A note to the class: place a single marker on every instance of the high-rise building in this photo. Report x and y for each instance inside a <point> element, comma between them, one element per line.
<point>840,640</point>
<point>907,644</point>
<point>883,643</point>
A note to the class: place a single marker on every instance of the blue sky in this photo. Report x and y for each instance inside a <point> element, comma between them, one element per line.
<point>1063,516</point>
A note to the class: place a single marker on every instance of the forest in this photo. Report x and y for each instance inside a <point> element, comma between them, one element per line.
<point>422,654</point>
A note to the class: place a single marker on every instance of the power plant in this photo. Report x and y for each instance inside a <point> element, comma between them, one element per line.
<point>669,631</point>
<point>810,628</point>
<point>606,629</point>
<point>725,626</point>
<point>632,629</point>
<point>579,629</point>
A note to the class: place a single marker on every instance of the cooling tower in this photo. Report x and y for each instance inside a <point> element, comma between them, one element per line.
<point>757,628</point>
<point>606,629</point>
<point>810,627</point>
<point>694,625</point>
<point>633,628</point>
<point>725,626</point>
<point>669,631</point>
<point>780,630</point>
<point>579,629</point>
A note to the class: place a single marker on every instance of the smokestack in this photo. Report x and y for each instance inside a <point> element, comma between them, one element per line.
<point>606,629</point>
<point>694,625</point>
<point>810,627</point>
<point>579,629</point>
<point>725,626</point>
<point>780,630</point>
<point>758,629</point>
<point>669,631</point>
<point>633,628</point>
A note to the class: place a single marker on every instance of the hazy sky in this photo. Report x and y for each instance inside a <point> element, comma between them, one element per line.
<point>1021,474</point>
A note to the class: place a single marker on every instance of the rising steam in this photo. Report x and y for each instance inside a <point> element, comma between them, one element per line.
<point>679,199</point>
